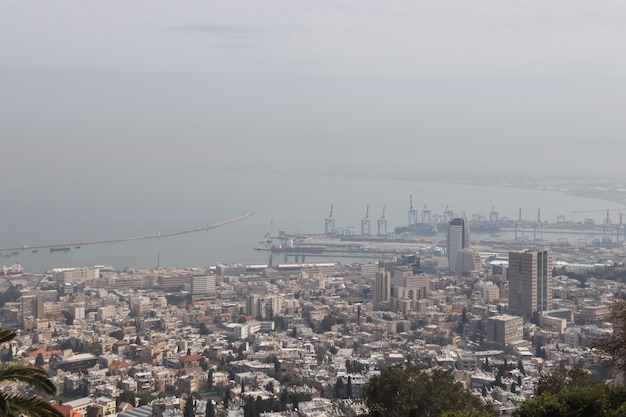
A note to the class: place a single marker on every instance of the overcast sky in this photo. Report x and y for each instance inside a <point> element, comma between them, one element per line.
<point>383,88</point>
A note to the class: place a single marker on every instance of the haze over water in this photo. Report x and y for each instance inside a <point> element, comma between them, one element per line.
<point>128,118</point>
<point>295,204</point>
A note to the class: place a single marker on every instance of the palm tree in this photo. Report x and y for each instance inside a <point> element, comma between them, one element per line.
<point>25,375</point>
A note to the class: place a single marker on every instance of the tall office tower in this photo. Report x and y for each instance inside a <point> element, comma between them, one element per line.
<point>457,239</point>
<point>382,291</point>
<point>530,282</point>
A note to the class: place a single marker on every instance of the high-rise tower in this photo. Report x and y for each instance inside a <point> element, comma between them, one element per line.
<point>530,282</point>
<point>458,238</point>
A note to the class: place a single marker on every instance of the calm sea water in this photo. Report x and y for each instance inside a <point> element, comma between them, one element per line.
<point>294,203</point>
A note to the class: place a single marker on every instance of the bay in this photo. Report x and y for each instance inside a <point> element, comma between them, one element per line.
<point>295,203</point>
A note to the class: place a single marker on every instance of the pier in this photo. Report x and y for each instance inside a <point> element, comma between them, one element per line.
<point>127,239</point>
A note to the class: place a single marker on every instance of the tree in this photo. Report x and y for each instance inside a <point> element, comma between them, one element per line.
<point>118,334</point>
<point>604,401</point>
<point>69,317</point>
<point>560,379</point>
<point>398,390</point>
<point>126,396</point>
<point>203,329</point>
<point>92,411</point>
<point>349,388</point>
<point>13,403</point>
<point>226,398</point>
<point>615,345</point>
<point>209,411</point>
<point>188,411</point>
<point>39,361</point>
<point>339,389</point>
<point>210,380</point>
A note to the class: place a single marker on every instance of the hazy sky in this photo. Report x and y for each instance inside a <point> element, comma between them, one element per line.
<point>112,88</point>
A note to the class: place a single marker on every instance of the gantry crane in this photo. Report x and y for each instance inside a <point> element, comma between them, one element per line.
<point>365,222</point>
<point>329,223</point>
<point>412,212</point>
<point>382,225</point>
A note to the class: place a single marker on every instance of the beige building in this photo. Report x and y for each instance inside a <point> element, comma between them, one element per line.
<point>530,282</point>
<point>504,329</point>
<point>382,290</point>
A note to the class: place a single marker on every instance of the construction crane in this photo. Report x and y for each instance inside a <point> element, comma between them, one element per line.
<point>382,224</point>
<point>412,212</point>
<point>365,222</point>
<point>329,223</point>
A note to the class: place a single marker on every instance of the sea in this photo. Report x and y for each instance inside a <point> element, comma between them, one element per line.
<point>294,203</point>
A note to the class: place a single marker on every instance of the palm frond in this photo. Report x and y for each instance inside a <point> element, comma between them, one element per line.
<point>29,406</point>
<point>6,335</point>
<point>27,374</point>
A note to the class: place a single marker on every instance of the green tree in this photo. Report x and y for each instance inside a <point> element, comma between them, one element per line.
<point>210,380</point>
<point>349,388</point>
<point>203,329</point>
<point>188,411</point>
<point>398,390</point>
<point>23,374</point>
<point>39,361</point>
<point>227,398</point>
<point>126,396</point>
<point>561,379</point>
<point>339,389</point>
<point>209,411</point>
<point>92,411</point>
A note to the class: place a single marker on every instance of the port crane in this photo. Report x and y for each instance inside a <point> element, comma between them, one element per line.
<point>329,223</point>
<point>426,215</point>
<point>607,230</point>
<point>412,212</point>
<point>382,225</point>
<point>365,222</point>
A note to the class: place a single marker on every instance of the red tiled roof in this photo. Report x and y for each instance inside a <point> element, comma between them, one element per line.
<point>44,352</point>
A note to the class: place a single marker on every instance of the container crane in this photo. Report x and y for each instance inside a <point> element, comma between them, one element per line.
<point>412,212</point>
<point>329,223</point>
<point>382,224</point>
<point>365,222</point>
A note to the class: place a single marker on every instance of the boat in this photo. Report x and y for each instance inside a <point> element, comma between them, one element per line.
<point>15,269</point>
<point>297,249</point>
<point>60,249</point>
<point>76,247</point>
<point>15,253</point>
<point>35,250</point>
<point>418,229</point>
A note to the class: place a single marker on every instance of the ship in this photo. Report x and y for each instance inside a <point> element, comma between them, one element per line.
<point>296,249</point>
<point>15,269</point>
<point>484,227</point>
<point>417,229</point>
<point>60,249</point>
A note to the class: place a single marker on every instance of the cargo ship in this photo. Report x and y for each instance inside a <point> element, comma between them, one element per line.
<point>11,270</point>
<point>417,229</point>
<point>60,249</point>
<point>296,249</point>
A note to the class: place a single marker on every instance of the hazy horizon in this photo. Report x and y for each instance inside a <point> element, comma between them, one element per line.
<point>107,93</point>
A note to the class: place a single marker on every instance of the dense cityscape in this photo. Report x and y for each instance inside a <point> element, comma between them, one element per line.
<point>307,337</point>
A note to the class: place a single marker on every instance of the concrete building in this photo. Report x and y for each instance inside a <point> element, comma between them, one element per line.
<point>467,261</point>
<point>504,329</point>
<point>69,275</point>
<point>382,291</point>
<point>203,285</point>
<point>530,282</point>
<point>458,238</point>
